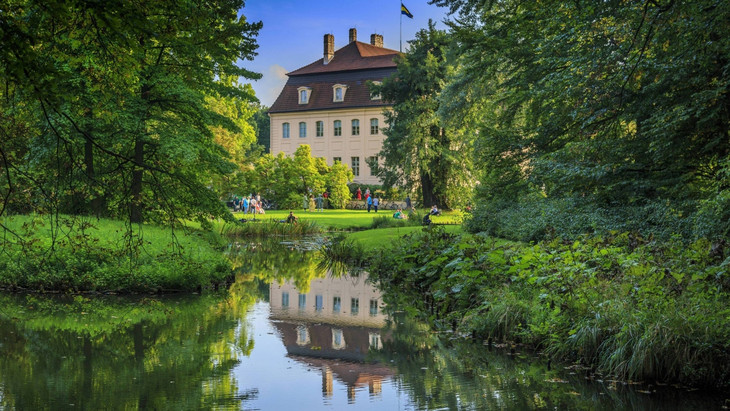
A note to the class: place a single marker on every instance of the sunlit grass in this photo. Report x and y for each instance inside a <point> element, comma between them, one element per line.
<point>387,237</point>
<point>345,219</point>
<point>74,254</point>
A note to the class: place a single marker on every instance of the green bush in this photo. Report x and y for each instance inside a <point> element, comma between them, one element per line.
<point>538,219</point>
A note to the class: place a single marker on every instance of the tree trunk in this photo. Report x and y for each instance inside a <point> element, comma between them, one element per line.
<point>95,205</point>
<point>135,212</point>
<point>427,190</point>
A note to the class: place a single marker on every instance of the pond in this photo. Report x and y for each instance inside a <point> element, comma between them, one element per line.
<point>284,336</point>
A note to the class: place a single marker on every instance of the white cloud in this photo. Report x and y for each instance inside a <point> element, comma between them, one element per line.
<point>270,85</point>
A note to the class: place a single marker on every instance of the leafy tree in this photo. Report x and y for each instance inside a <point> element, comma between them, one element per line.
<point>122,88</point>
<point>617,109</point>
<point>337,178</point>
<point>419,152</point>
<point>262,124</point>
<point>286,180</point>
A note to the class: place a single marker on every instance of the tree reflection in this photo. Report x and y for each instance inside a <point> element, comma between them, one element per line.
<point>147,353</point>
<point>139,352</point>
<point>443,371</point>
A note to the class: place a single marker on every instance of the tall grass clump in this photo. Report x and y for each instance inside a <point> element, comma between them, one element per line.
<point>340,255</point>
<point>387,222</point>
<point>261,228</point>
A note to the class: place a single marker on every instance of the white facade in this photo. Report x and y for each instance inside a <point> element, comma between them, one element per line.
<point>346,147</point>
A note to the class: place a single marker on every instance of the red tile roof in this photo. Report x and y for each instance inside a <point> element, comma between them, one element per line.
<point>353,65</point>
<point>354,56</point>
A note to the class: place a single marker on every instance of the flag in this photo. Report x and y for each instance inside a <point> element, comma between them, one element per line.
<point>404,10</point>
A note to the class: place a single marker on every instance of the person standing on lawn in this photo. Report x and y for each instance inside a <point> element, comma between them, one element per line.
<point>369,200</point>
<point>320,203</point>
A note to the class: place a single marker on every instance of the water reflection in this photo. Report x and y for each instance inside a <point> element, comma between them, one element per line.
<point>325,325</point>
<point>141,353</point>
<point>284,336</point>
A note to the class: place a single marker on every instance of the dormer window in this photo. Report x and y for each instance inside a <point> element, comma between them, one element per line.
<point>375,96</point>
<point>304,94</point>
<point>338,92</point>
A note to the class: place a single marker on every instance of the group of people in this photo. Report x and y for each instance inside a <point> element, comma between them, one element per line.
<point>372,202</point>
<point>249,205</point>
<point>312,203</point>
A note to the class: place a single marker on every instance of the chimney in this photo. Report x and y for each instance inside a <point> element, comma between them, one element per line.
<point>376,40</point>
<point>329,48</point>
<point>353,35</point>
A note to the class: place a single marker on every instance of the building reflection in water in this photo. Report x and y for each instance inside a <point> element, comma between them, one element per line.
<point>333,327</point>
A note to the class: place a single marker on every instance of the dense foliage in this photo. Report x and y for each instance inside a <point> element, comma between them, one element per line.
<point>619,304</point>
<point>290,181</point>
<point>419,152</point>
<point>616,113</point>
<point>105,109</point>
<point>86,254</point>
<point>127,110</point>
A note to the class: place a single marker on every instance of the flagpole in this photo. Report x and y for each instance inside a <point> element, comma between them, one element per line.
<point>400,39</point>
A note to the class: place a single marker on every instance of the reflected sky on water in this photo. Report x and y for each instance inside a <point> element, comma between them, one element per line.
<point>284,336</point>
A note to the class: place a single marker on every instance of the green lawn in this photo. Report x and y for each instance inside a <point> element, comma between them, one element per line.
<point>347,219</point>
<point>89,254</point>
<point>379,238</point>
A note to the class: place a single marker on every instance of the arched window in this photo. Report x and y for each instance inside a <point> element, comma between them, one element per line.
<point>338,127</point>
<point>374,126</point>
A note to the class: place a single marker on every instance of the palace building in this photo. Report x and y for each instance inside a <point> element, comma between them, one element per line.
<point>329,106</point>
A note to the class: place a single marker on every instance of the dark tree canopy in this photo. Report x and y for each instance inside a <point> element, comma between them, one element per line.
<point>615,111</point>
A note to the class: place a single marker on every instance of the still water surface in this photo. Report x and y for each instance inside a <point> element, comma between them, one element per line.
<point>285,336</point>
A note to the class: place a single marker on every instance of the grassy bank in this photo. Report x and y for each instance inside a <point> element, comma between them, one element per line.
<point>45,253</point>
<point>372,240</point>
<point>619,305</point>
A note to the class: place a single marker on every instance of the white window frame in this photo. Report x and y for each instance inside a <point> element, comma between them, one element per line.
<point>285,130</point>
<point>339,87</point>
<point>355,166</point>
<point>374,126</point>
<point>319,128</point>
<point>337,128</point>
<point>355,126</point>
<point>304,94</point>
<point>302,130</point>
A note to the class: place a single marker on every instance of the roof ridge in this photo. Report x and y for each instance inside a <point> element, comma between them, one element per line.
<point>356,55</point>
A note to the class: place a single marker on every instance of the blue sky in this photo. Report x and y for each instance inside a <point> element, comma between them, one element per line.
<point>293,31</point>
